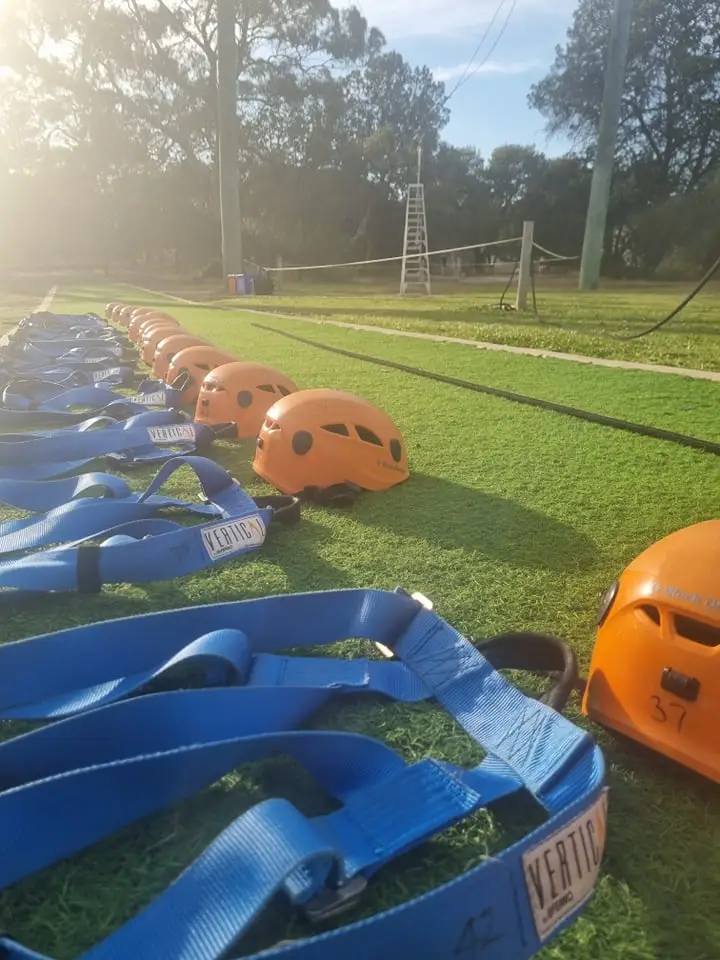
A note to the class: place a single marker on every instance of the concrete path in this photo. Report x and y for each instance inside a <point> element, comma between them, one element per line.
<point>478,344</point>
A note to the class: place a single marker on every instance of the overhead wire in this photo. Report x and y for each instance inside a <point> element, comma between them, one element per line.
<point>468,66</point>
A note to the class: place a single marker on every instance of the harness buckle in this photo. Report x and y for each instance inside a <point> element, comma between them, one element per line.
<point>332,902</point>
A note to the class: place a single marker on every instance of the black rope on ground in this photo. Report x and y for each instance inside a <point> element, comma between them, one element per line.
<point>502,304</point>
<point>673,313</point>
<point>656,433</point>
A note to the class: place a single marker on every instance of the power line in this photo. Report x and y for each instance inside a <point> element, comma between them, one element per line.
<point>469,71</point>
<point>476,51</point>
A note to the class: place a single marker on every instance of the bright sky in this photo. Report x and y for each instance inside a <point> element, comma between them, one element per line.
<point>489,109</point>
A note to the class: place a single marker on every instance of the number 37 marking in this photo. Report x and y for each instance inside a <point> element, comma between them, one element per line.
<point>668,712</point>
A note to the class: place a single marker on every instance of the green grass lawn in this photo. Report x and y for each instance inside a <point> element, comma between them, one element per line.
<point>513,518</point>
<point>567,320</point>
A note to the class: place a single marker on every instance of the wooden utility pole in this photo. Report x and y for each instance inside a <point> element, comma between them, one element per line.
<point>592,251</point>
<point>228,147</point>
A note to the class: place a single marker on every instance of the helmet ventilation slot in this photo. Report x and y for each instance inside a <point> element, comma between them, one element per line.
<point>368,436</point>
<point>697,631</point>
<point>651,612</point>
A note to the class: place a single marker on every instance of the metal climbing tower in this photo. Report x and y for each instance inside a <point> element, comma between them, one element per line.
<point>415,276</point>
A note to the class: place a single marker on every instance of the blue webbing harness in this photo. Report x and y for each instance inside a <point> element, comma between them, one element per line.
<point>60,351</point>
<point>150,437</point>
<point>68,375</point>
<point>115,758</point>
<point>38,496</point>
<point>22,403</point>
<point>118,540</point>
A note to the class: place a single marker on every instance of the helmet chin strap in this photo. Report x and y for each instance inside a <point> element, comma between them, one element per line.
<point>336,495</point>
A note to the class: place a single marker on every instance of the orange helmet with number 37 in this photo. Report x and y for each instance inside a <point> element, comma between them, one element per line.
<point>655,670</point>
<point>241,393</point>
<point>331,444</point>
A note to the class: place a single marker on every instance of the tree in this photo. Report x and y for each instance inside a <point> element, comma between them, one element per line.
<point>670,119</point>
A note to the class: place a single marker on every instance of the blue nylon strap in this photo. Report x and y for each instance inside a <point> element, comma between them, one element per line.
<point>136,550</point>
<point>68,375</point>
<point>64,781</point>
<point>94,401</point>
<point>37,354</point>
<point>149,437</point>
<point>82,518</point>
<point>61,320</point>
<point>41,495</point>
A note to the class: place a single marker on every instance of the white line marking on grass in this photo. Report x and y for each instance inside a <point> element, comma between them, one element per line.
<point>47,300</point>
<point>478,344</point>
<point>44,304</point>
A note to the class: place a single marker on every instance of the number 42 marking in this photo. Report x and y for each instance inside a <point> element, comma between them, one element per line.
<point>671,712</point>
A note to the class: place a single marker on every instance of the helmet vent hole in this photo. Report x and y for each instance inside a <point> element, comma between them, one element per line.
<point>698,631</point>
<point>267,387</point>
<point>396,450</point>
<point>302,441</point>
<point>652,612</point>
<point>338,428</point>
<point>368,436</point>
<point>283,391</point>
<point>244,399</point>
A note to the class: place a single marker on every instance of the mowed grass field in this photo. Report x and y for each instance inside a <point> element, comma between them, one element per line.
<point>567,321</point>
<point>513,518</point>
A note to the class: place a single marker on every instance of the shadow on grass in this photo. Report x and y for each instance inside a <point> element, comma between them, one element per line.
<point>450,515</point>
<point>671,873</point>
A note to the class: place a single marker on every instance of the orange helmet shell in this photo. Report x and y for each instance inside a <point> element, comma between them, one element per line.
<point>319,438</point>
<point>193,364</point>
<point>139,324</point>
<point>117,315</point>
<point>167,348</point>
<point>152,334</point>
<point>125,315</point>
<point>241,393</point>
<point>655,670</point>
<point>109,307</point>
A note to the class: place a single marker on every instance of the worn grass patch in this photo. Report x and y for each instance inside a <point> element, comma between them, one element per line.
<point>513,518</point>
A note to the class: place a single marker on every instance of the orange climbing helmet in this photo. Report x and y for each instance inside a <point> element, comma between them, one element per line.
<point>125,314</point>
<point>329,444</point>
<point>140,323</point>
<point>117,314</point>
<point>189,367</point>
<point>109,307</point>
<point>241,393</point>
<point>152,334</point>
<point>167,348</point>
<point>655,669</point>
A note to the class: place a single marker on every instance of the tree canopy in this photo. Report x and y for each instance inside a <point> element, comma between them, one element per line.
<point>108,136</point>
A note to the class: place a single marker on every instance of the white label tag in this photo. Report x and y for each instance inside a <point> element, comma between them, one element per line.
<point>172,433</point>
<point>150,399</point>
<point>561,872</point>
<point>100,375</point>
<point>231,536</point>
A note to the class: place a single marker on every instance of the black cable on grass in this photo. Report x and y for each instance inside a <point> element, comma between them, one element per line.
<point>656,433</point>
<point>673,313</point>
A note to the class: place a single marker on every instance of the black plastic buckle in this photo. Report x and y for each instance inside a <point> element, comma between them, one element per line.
<point>331,903</point>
